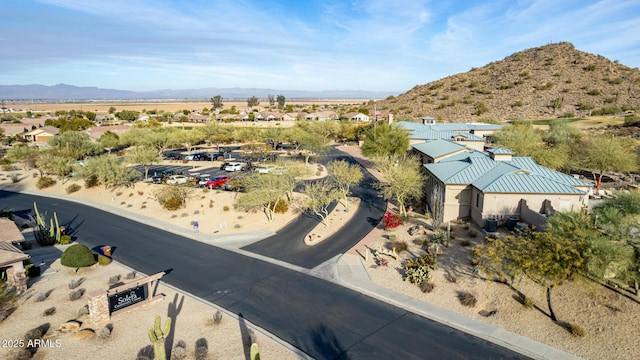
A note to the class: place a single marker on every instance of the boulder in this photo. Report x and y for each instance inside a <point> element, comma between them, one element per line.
<point>85,334</point>
<point>70,326</point>
<point>417,230</point>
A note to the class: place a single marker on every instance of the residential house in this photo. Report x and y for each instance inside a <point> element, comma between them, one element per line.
<point>11,257</point>
<point>322,116</point>
<point>355,116</point>
<point>199,118</point>
<point>41,135</point>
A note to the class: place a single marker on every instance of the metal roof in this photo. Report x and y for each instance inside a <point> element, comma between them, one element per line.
<point>437,148</point>
<point>500,151</point>
<point>521,175</point>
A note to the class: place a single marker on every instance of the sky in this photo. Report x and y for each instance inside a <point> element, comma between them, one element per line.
<point>377,45</point>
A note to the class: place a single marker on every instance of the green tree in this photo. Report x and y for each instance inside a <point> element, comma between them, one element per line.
<point>311,143</point>
<point>76,144</point>
<point>263,192</point>
<point>109,141</point>
<point>128,115</point>
<point>344,175</point>
<point>23,153</point>
<point>321,194</point>
<point>55,162</point>
<point>404,180</point>
<point>253,101</point>
<point>281,100</point>
<point>108,171</point>
<point>112,110</point>
<point>525,140</point>
<point>600,154</point>
<point>385,141</point>
<point>272,99</point>
<point>188,138</point>
<point>145,156</point>
<point>216,102</point>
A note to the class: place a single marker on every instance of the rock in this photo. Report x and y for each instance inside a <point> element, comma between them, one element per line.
<point>85,334</point>
<point>417,230</point>
<point>70,326</point>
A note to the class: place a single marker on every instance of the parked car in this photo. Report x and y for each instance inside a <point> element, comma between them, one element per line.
<point>177,180</point>
<point>202,179</point>
<point>235,166</point>
<point>218,181</point>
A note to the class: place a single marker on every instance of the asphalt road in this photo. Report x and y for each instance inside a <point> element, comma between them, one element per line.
<point>322,319</point>
<point>288,244</point>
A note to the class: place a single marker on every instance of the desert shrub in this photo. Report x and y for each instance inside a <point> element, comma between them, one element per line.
<point>179,351</point>
<point>465,242</point>
<point>427,287</point>
<point>22,354</point>
<point>76,282</point>
<point>282,206</point>
<point>439,237</point>
<point>77,256</point>
<point>41,296</point>
<point>34,334</point>
<point>202,348</point>
<point>568,115</point>
<point>391,220</point>
<point>210,203</point>
<point>32,271</point>
<point>528,302</point>
<point>417,270</point>
<point>576,330</point>
<point>73,188</point>
<point>65,239</point>
<point>237,226</point>
<point>7,214</point>
<point>14,178</point>
<point>473,233</point>
<point>450,277</point>
<point>632,120</point>
<point>452,234</point>
<point>114,279</point>
<point>130,194</point>
<point>225,208</point>
<point>84,310</point>
<point>105,332</point>
<point>467,298</point>
<point>400,246</point>
<point>591,67</point>
<point>50,311</point>
<point>91,181</point>
<point>45,182</point>
<point>104,260</point>
<point>217,317</point>
<point>173,197</point>
<point>76,294</point>
<point>593,92</point>
<point>130,275</point>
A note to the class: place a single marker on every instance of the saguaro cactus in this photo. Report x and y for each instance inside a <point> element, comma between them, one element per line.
<point>157,337</point>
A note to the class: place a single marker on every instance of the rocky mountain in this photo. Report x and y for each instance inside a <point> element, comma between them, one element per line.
<point>550,81</point>
<point>71,92</point>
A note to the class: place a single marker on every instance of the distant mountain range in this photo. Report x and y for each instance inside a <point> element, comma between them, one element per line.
<point>71,92</point>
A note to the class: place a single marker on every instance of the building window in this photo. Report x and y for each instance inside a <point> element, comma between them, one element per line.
<point>477,200</point>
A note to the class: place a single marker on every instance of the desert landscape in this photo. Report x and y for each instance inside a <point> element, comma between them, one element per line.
<point>609,317</point>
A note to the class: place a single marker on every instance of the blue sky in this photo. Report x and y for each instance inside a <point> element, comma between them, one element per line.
<point>382,45</point>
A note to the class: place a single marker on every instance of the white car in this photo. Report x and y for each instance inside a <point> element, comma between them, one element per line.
<point>177,180</point>
<point>233,167</point>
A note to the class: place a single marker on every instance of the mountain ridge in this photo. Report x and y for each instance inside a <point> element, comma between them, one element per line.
<point>553,80</point>
<point>72,92</point>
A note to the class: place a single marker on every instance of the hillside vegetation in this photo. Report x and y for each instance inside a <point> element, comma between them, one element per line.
<point>550,81</point>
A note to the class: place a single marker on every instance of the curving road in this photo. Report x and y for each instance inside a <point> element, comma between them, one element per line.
<point>288,244</point>
<point>325,320</point>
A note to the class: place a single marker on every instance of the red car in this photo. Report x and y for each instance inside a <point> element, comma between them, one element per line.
<point>217,181</point>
